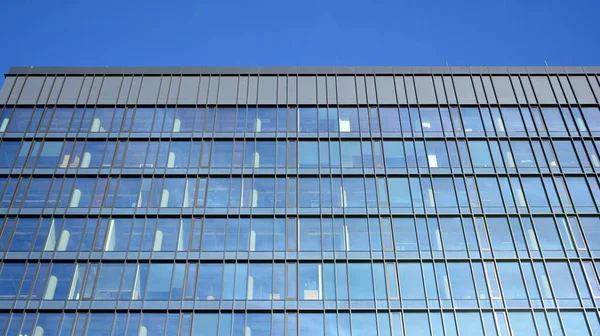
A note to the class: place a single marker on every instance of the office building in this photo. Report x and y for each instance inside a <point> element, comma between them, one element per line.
<point>300,201</point>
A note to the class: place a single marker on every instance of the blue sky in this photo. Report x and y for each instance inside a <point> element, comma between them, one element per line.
<point>298,32</point>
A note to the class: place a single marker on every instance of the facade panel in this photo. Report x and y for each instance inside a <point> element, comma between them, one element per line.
<point>46,90</point>
<point>503,90</point>
<point>291,201</point>
<point>163,91</point>
<point>464,90</point>
<point>346,87</point>
<point>16,90</point>
<point>134,89</point>
<point>124,91</point>
<point>6,89</point>
<point>307,90</point>
<point>582,90</point>
<point>110,90</point>
<point>188,90</point>
<point>31,90</point>
<point>386,91</point>
<point>149,90</point>
<point>228,90</point>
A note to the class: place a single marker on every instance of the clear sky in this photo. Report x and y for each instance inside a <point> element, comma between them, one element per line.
<point>298,32</point>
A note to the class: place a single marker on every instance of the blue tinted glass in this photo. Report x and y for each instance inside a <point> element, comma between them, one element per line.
<point>416,324</point>
<point>471,120</point>
<point>361,282</point>
<point>521,323</point>
<point>10,279</point>
<point>399,192</point>
<point>469,324</point>
<point>310,325</point>
<point>205,324</point>
<point>363,324</point>
<point>574,323</point>
<point>218,192</point>
<point>511,280</point>
<point>258,324</point>
<point>99,324</point>
<point>411,281</point>
<point>580,193</point>
<point>480,154</point>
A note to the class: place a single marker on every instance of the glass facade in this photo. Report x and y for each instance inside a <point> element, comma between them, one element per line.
<point>265,201</point>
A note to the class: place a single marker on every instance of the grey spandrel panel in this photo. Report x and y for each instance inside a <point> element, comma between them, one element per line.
<point>346,90</point>
<point>252,90</point>
<point>267,90</point>
<point>31,90</point>
<point>560,95</point>
<point>528,89</point>
<point>188,90</point>
<point>282,90</point>
<point>163,91</point>
<point>307,90</point>
<point>203,88</point>
<point>595,86</point>
<point>47,89</point>
<point>503,89</point>
<point>361,90</point>
<point>228,88</point>
<point>110,90</point>
<point>464,90</point>
<point>6,88</point>
<point>543,90</point>
<point>149,90</point>
<point>57,87</point>
<point>439,90</point>
<point>124,91</point>
<point>85,90</point>
<point>386,90</point>
<point>449,86</point>
<point>331,90</point>
<point>16,91</point>
<point>174,90</point>
<point>582,90</point>
<point>371,91</point>
<point>292,90</point>
<point>322,90</point>
<point>213,89</point>
<point>134,91</point>
<point>564,82</point>
<point>479,91</point>
<point>94,90</point>
<point>409,86</point>
<point>425,90</point>
<point>489,89</point>
<point>242,95</point>
<point>518,89</point>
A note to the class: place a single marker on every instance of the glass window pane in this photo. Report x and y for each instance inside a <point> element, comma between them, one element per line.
<point>416,324</point>
<point>469,324</point>
<point>205,324</point>
<point>361,282</point>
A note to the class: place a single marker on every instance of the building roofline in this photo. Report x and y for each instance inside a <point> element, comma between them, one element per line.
<point>362,70</point>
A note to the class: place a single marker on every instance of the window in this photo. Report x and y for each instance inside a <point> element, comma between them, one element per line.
<point>361,281</point>
<point>472,120</point>
<point>512,284</point>
<point>480,154</point>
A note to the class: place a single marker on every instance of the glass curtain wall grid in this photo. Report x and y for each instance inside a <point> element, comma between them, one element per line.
<point>300,202</point>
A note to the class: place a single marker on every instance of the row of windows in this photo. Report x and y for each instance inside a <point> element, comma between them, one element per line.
<point>528,156</point>
<point>516,323</point>
<point>443,194</point>
<point>410,284</point>
<point>466,121</point>
<point>452,237</point>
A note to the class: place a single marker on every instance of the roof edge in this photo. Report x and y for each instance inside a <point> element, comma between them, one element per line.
<point>361,70</point>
